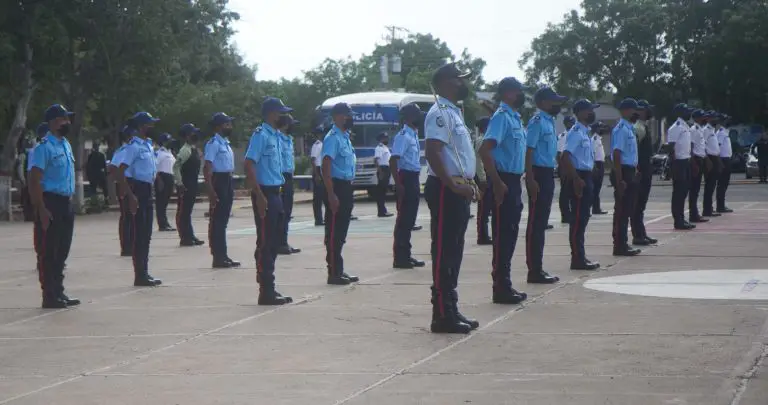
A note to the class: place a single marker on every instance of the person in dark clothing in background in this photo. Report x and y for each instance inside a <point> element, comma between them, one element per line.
<point>96,170</point>
<point>644,153</point>
<point>761,147</point>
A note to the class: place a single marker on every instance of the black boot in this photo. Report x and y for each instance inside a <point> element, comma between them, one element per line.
<point>449,323</point>
<point>509,297</point>
<point>273,298</point>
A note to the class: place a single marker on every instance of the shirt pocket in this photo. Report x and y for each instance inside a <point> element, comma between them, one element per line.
<point>271,157</point>
<point>346,155</point>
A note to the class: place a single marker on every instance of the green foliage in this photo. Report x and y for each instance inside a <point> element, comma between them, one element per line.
<point>303,165</point>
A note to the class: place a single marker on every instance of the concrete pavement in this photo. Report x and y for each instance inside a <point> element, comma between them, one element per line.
<point>201,338</point>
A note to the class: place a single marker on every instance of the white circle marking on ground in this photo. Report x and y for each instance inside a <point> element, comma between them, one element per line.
<point>747,284</point>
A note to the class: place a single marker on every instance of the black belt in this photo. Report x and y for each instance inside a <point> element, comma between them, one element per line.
<point>222,174</point>
<point>270,189</point>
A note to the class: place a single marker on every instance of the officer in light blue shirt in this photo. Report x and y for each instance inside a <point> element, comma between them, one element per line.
<point>339,161</point>
<point>51,186</point>
<point>125,226</point>
<point>405,164</point>
<point>539,177</point>
<point>217,170</point>
<point>578,162</point>
<point>287,153</point>
<point>136,174</point>
<point>264,171</point>
<point>624,154</point>
<point>503,154</point>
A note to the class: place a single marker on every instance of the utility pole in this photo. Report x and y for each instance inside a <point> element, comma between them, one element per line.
<point>391,62</point>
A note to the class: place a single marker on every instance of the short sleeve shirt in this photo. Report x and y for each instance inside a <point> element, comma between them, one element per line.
<point>624,140</point>
<point>680,134</point>
<point>579,146</point>
<point>140,159</point>
<point>219,152</point>
<point>338,148</point>
<point>264,151</point>
<point>406,147</point>
<point>506,130</point>
<point>542,139</point>
<point>54,157</point>
<point>444,122</point>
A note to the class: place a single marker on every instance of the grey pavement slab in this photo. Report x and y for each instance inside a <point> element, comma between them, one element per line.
<point>201,338</point>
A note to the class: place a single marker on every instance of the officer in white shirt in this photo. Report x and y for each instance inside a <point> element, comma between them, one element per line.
<point>679,139</point>
<point>726,152</point>
<point>318,189</point>
<point>565,186</point>
<point>598,130</point>
<point>164,182</point>
<point>714,165</point>
<point>698,166</point>
<point>381,159</point>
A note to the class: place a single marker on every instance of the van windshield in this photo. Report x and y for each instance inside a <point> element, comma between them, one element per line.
<point>367,135</point>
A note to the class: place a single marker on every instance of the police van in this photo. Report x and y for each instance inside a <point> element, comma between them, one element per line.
<point>376,113</point>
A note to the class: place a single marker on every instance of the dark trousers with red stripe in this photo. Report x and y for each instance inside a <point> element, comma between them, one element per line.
<point>697,172</point>
<point>407,210</point>
<point>52,245</point>
<point>318,197</point>
<point>382,186</point>
<point>485,208</point>
<point>538,218</point>
<point>219,215</point>
<point>641,202</point>
<point>598,176</point>
<point>337,226</point>
<point>623,206</point>
<point>287,207</point>
<point>184,207</point>
<point>269,231</point>
<point>125,228</point>
<point>163,191</point>
<point>581,209</point>
<point>723,182</point>
<point>505,228</point>
<point>449,219</point>
<point>710,182</point>
<point>142,226</point>
<point>681,183</point>
<point>564,200</point>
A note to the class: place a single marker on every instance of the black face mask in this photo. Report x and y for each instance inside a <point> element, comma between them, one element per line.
<point>648,114</point>
<point>349,122</point>
<point>519,102</point>
<point>417,122</point>
<point>150,133</point>
<point>463,92</point>
<point>685,116</point>
<point>554,110</point>
<point>591,118</point>
<point>192,139</point>
<point>64,130</point>
<point>634,117</point>
<point>385,142</point>
<point>226,132</point>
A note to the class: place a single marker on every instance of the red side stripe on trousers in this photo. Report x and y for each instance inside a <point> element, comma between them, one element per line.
<point>436,271</point>
<point>574,250</point>
<point>529,233</point>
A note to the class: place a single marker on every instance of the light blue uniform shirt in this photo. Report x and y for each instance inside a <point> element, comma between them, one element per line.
<point>264,151</point>
<point>579,145</point>
<point>286,152</point>
<point>53,156</point>
<point>623,139</point>
<point>506,129</point>
<point>219,153</point>
<point>117,157</point>
<point>445,123</point>
<point>542,139</point>
<point>139,156</point>
<point>338,147</point>
<point>406,147</point>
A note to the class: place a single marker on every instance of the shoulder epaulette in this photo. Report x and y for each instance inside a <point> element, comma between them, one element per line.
<point>535,118</point>
<point>44,140</point>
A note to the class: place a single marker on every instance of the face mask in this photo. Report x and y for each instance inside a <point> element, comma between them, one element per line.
<point>591,118</point>
<point>385,142</point>
<point>349,122</point>
<point>634,117</point>
<point>648,115</point>
<point>463,92</point>
<point>64,130</point>
<point>554,110</point>
<point>150,133</point>
<point>226,132</point>
<point>192,139</point>
<point>519,102</point>
<point>685,116</point>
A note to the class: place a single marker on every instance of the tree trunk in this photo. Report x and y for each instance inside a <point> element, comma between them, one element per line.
<point>77,142</point>
<point>18,127</point>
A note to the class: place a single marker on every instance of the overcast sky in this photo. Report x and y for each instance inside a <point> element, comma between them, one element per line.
<point>287,37</point>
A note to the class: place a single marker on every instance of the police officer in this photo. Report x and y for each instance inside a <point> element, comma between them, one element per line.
<point>565,186</point>
<point>679,139</point>
<point>136,175</point>
<point>318,188</point>
<point>712,150</point>
<point>624,154</point>
<point>449,191</point>
<point>577,163</point>
<point>644,154</point>
<point>381,158</point>
<point>539,177</point>
<point>486,201</point>
<point>217,169</point>
<point>125,224</point>
<point>698,165</point>
<point>503,155</point>
<point>265,168</point>
<point>285,126</point>
<point>761,147</point>
<point>164,160</point>
<point>186,168</point>
<point>406,166</point>
<point>51,186</point>
<point>598,130</point>
<point>726,152</point>
<point>338,172</point>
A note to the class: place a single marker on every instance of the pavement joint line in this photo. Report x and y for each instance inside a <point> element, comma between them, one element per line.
<point>750,364</point>
<point>194,337</point>
<point>301,373</point>
<point>501,318</point>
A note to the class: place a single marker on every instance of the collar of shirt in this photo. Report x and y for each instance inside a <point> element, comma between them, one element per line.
<point>641,122</point>
<point>337,131</point>
<point>582,128</point>
<point>409,131</point>
<point>50,137</point>
<point>625,123</point>
<point>218,138</point>
<point>146,142</point>
<point>317,141</point>
<point>505,107</point>
<point>447,103</point>
<point>545,115</point>
<point>682,122</point>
